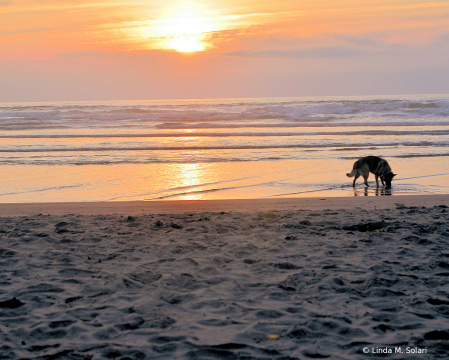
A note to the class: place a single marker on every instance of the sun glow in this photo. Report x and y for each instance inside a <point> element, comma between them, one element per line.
<point>187,43</point>
<point>187,30</point>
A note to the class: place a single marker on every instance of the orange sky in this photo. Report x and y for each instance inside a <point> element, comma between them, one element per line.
<point>112,49</point>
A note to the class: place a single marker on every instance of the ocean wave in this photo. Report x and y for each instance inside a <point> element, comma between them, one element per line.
<point>237,130</point>
<point>198,113</point>
<point>25,130</point>
<point>203,158</point>
<point>404,156</point>
<point>379,132</point>
<point>313,145</point>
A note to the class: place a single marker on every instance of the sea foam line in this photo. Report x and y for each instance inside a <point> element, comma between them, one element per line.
<point>230,147</point>
<point>237,134</point>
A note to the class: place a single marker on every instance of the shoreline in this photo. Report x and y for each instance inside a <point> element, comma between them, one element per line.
<point>231,205</point>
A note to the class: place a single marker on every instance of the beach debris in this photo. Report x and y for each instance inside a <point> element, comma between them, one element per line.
<point>400,206</point>
<point>272,336</point>
<point>158,224</point>
<point>437,335</point>
<point>286,266</point>
<point>250,261</point>
<point>11,304</point>
<point>366,227</point>
<point>437,302</point>
<point>286,288</point>
<point>62,231</point>
<point>300,225</point>
<point>72,299</point>
<point>443,264</point>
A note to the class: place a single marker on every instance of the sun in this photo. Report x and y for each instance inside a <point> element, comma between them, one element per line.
<point>186,30</point>
<point>187,43</point>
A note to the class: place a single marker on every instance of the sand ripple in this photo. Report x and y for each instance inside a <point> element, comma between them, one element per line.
<point>272,285</point>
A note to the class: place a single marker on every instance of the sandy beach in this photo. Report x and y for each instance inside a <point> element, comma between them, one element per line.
<point>338,278</point>
<point>174,180</point>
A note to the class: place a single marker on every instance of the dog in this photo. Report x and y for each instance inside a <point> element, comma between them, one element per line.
<point>376,165</point>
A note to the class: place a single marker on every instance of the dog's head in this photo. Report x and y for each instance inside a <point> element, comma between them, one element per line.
<point>387,178</point>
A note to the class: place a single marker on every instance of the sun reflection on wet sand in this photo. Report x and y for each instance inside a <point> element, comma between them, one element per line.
<point>206,181</point>
<point>191,175</point>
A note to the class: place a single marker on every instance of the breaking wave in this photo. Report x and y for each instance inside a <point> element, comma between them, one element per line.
<point>222,130</point>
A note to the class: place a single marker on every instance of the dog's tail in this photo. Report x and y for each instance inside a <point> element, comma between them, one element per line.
<point>352,173</point>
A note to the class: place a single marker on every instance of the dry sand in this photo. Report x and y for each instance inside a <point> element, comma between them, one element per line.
<point>258,279</point>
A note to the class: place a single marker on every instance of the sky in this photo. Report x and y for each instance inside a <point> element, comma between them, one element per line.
<point>60,50</point>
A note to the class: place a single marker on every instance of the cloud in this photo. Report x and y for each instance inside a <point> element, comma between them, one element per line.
<point>28,31</point>
<point>362,41</point>
<point>5,3</point>
<point>317,52</point>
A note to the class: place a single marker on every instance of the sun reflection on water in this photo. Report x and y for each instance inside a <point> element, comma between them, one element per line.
<point>190,176</point>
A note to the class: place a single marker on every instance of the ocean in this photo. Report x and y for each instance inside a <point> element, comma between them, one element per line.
<point>220,148</point>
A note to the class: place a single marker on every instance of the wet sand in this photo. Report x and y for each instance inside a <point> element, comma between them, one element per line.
<point>195,206</point>
<point>338,278</point>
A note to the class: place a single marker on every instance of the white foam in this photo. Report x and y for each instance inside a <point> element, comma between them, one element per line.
<point>150,114</point>
<point>222,130</point>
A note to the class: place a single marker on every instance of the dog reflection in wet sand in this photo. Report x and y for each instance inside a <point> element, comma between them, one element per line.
<point>376,165</point>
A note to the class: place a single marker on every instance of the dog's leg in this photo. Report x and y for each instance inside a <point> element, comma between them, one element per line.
<point>366,180</point>
<point>377,180</point>
<point>355,178</point>
<point>365,173</point>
